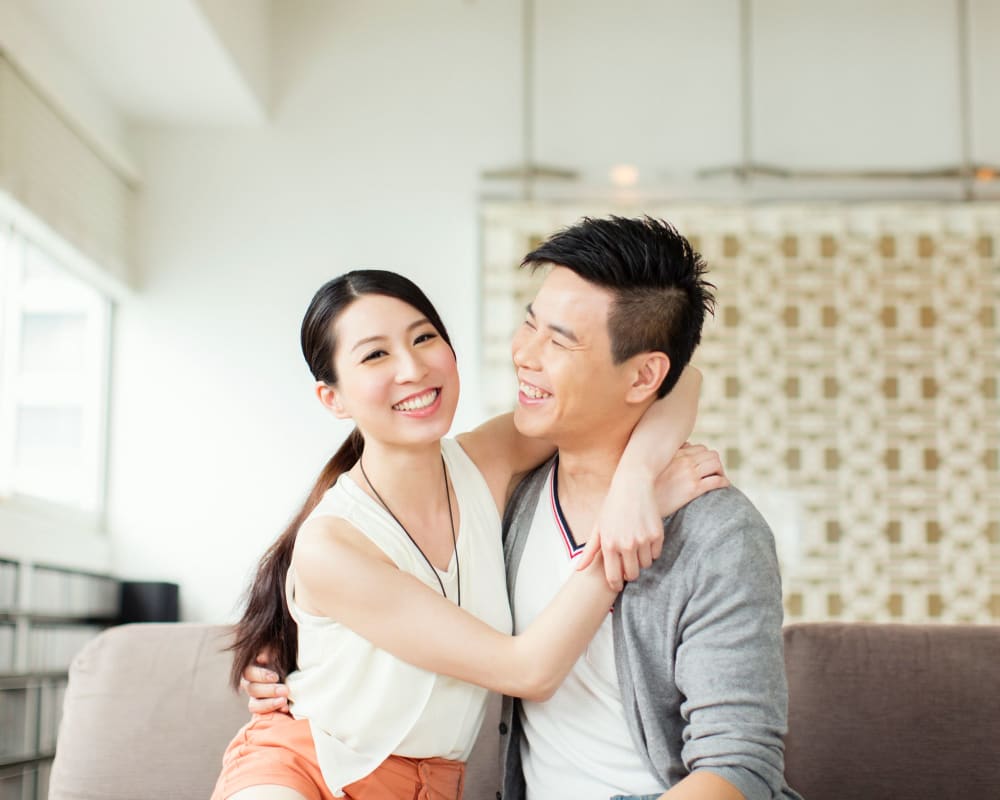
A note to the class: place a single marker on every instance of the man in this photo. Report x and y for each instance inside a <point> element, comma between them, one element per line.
<point>681,693</point>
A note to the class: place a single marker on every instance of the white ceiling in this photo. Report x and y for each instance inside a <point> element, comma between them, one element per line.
<point>167,62</point>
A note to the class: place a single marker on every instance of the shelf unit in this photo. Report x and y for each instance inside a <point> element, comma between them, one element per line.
<point>46,615</point>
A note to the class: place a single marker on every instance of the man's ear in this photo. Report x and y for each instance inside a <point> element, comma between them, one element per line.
<point>330,397</point>
<point>649,371</point>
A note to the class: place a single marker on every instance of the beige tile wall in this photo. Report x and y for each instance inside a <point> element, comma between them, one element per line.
<point>851,383</point>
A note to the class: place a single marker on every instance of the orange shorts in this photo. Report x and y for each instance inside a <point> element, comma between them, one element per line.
<point>274,749</point>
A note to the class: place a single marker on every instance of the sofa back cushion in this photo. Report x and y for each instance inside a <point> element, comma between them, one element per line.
<point>893,711</point>
<point>875,711</point>
<point>148,715</point>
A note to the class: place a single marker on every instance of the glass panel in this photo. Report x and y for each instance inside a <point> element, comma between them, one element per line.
<point>54,330</point>
<point>53,343</point>
<point>49,457</point>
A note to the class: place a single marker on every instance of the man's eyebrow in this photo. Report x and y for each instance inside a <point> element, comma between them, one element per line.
<point>410,327</point>
<point>561,330</point>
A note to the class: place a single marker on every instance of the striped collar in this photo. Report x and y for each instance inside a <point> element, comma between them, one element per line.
<point>572,548</point>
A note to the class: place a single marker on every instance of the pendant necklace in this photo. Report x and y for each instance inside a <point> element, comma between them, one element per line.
<point>451,520</point>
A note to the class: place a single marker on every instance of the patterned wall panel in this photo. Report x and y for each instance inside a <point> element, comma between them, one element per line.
<point>851,384</point>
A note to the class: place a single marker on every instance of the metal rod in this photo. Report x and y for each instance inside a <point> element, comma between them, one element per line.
<point>527,94</point>
<point>964,99</point>
<point>746,94</point>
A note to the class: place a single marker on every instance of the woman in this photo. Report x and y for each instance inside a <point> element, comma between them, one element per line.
<point>365,593</point>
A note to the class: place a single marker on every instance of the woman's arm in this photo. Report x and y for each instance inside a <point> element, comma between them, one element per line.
<point>503,455</point>
<point>629,530</point>
<point>342,574</point>
<point>703,785</point>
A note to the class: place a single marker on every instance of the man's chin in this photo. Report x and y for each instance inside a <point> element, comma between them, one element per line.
<point>528,423</point>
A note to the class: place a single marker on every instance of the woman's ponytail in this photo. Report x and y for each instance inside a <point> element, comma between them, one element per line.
<point>267,623</point>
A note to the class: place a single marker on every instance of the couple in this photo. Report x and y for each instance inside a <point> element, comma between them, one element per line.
<point>363,607</point>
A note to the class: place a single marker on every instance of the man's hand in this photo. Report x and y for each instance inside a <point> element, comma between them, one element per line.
<point>261,684</point>
<point>629,529</point>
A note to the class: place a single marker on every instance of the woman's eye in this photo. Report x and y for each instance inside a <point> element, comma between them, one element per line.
<point>373,355</point>
<point>558,344</point>
<point>529,324</point>
<point>425,337</point>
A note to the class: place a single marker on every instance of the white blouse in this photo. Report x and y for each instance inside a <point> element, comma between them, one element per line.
<point>364,704</point>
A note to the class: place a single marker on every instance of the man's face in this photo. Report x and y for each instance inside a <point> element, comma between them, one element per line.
<point>569,389</point>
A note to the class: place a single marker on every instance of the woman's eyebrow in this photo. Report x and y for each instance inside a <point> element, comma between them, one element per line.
<point>410,327</point>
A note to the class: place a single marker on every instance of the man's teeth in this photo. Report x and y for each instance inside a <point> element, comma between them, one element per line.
<point>421,401</point>
<point>533,392</point>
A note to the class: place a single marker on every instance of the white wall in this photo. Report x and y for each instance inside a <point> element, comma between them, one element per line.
<point>217,436</point>
<point>384,113</point>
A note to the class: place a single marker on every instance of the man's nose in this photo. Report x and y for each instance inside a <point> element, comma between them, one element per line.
<point>524,350</point>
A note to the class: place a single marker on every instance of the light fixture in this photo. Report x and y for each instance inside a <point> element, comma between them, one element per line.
<point>966,172</point>
<point>624,176</point>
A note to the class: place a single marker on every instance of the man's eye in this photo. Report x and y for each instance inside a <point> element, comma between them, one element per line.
<point>424,337</point>
<point>373,355</point>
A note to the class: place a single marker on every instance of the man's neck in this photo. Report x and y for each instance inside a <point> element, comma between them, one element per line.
<point>587,473</point>
<point>584,477</point>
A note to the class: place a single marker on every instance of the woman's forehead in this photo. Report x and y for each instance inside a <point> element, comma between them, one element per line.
<point>377,315</point>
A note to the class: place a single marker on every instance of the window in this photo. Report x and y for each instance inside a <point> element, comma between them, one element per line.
<point>54,357</point>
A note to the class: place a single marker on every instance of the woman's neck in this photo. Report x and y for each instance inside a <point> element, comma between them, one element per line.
<point>405,477</point>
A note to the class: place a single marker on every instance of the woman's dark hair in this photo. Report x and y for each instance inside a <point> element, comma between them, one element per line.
<point>266,622</point>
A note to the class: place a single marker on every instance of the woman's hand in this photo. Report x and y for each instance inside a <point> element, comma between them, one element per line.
<point>261,684</point>
<point>691,473</point>
<point>629,528</point>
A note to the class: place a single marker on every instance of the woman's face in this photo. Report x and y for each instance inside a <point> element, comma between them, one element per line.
<point>396,376</point>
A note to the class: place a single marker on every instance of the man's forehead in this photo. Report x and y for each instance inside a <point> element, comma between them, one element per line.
<point>564,289</point>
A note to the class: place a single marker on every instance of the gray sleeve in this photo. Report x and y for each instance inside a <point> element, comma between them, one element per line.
<point>729,663</point>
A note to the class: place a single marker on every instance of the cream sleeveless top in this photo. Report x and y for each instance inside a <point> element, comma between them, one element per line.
<point>364,704</point>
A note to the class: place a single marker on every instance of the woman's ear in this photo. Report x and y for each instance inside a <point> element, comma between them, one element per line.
<point>330,397</point>
<point>650,371</point>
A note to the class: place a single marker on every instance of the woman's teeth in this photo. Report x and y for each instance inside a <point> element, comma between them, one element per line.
<point>533,392</point>
<point>418,402</point>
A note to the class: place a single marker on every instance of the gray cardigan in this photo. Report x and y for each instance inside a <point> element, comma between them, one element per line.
<point>698,647</point>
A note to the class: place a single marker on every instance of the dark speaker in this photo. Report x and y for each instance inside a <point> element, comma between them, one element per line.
<point>145,601</point>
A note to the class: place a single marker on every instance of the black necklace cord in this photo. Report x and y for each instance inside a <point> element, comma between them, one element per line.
<point>454,538</point>
<point>451,520</point>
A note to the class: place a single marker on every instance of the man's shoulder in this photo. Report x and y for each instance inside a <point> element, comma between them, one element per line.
<point>521,504</point>
<point>528,487</point>
<point>722,516</point>
<point>717,506</point>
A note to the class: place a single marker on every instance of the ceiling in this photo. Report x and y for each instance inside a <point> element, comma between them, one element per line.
<point>165,62</point>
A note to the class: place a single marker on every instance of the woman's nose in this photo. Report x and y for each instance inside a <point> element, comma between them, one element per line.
<point>411,368</point>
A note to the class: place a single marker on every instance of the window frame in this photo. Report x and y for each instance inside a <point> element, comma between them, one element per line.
<point>24,516</point>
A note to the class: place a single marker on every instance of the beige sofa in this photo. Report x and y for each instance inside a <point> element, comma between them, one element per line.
<point>876,711</point>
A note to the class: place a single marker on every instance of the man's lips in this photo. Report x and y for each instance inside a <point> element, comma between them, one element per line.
<point>531,392</point>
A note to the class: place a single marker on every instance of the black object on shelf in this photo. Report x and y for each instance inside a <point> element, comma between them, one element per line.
<point>146,601</point>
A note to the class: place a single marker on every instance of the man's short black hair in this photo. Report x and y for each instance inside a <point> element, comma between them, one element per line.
<point>657,279</point>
